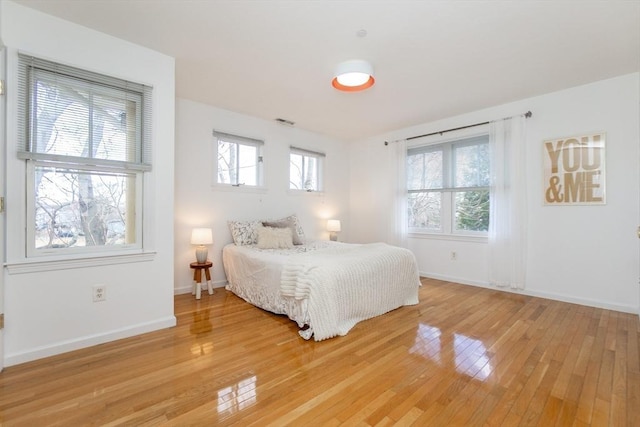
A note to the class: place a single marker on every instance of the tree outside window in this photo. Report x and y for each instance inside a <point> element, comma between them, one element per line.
<point>239,160</point>
<point>305,170</point>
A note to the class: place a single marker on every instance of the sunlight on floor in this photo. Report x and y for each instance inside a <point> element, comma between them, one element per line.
<point>238,396</point>
<point>467,355</point>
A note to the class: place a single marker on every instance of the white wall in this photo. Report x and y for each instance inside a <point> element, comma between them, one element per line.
<point>50,310</point>
<point>584,254</point>
<point>200,204</point>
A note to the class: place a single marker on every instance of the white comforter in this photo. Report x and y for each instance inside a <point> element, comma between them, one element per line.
<point>349,283</point>
<point>328,286</point>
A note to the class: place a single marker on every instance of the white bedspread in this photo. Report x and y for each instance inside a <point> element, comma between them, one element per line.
<point>349,283</point>
<point>327,286</point>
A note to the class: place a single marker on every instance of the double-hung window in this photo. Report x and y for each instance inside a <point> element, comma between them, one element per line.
<point>239,160</point>
<point>305,169</point>
<point>86,141</point>
<point>448,187</point>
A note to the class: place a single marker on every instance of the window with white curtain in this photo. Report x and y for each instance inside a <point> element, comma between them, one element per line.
<point>239,160</point>
<point>86,141</point>
<point>305,170</point>
<point>448,187</point>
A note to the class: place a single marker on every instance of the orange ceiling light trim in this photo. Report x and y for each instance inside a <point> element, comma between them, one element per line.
<point>353,76</point>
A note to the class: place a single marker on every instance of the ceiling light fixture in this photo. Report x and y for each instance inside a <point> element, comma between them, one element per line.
<point>353,76</point>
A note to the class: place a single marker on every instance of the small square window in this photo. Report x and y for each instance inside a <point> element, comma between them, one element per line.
<point>305,170</point>
<point>239,161</point>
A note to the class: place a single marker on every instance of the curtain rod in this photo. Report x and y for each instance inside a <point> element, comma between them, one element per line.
<point>526,115</point>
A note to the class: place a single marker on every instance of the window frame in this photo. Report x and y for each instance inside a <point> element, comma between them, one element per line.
<point>238,141</point>
<point>448,189</point>
<point>31,70</point>
<point>319,174</point>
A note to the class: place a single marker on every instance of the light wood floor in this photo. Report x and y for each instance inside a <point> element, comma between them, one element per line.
<point>464,356</point>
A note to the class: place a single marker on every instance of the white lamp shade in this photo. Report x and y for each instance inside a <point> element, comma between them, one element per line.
<point>201,236</point>
<point>333,225</point>
<point>353,76</point>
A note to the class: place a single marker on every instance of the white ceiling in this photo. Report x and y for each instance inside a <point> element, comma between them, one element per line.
<point>432,59</point>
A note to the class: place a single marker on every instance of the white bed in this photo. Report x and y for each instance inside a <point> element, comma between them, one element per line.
<point>326,287</point>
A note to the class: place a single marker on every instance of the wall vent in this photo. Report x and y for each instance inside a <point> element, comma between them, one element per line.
<point>285,122</point>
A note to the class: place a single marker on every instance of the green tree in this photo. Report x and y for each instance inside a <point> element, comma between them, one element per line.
<point>473,210</point>
<point>472,169</point>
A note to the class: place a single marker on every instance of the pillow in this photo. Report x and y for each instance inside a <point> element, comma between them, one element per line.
<point>244,232</point>
<point>297,228</point>
<point>274,238</point>
<point>296,224</point>
<point>284,223</point>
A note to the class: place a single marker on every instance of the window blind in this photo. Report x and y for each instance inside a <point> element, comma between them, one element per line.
<point>228,137</point>
<point>438,145</point>
<point>305,152</point>
<point>74,116</point>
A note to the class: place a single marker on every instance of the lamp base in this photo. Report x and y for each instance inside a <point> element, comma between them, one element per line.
<point>333,236</point>
<point>201,254</point>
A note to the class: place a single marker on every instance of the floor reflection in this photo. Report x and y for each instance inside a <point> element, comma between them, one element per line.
<point>468,356</point>
<point>201,323</point>
<point>471,357</point>
<point>200,349</point>
<point>427,343</point>
<point>238,396</point>
<point>200,326</point>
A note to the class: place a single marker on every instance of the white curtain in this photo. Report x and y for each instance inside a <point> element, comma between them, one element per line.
<point>397,234</point>
<point>508,203</point>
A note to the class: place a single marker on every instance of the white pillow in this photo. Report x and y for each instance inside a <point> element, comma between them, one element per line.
<point>274,238</point>
<point>298,232</point>
<point>286,224</point>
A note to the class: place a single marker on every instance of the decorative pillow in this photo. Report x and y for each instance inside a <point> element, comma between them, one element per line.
<point>244,232</point>
<point>296,224</point>
<point>274,238</point>
<point>285,224</point>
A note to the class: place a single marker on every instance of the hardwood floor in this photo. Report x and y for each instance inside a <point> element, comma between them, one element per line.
<point>463,356</point>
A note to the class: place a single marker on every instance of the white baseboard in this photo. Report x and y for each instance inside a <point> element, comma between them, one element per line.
<point>455,280</point>
<point>186,289</point>
<point>88,341</point>
<point>547,295</point>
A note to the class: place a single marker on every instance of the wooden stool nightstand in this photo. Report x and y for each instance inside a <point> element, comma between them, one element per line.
<point>197,277</point>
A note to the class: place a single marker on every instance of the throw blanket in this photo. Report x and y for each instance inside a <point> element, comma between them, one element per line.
<point>350,283</point>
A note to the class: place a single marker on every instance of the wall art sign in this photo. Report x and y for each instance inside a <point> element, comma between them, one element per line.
<point>574,170</point>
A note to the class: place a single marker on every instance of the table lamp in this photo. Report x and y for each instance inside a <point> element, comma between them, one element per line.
<point>201,237</point>
<point>333,226</point>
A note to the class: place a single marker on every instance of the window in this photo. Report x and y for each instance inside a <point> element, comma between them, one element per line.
<point>86,140</point>
<point>305,170</point>
<point>448,186</point>
<point>239,160</point>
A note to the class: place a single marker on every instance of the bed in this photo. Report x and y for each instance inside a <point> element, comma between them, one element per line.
<point>325,287</point>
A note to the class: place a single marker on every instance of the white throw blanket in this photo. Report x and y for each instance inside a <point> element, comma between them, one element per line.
<point>350,283</point>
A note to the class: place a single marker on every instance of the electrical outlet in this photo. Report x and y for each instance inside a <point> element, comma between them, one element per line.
<point>99,293</point>
<point>454,255</point>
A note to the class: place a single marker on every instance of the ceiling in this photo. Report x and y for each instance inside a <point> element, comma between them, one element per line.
<point>432,59</point>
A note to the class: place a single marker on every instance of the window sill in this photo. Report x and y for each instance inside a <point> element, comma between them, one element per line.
<point>305,193</point>
<point>240,188</point>
<point>67,263</point>
<point>450,237</point>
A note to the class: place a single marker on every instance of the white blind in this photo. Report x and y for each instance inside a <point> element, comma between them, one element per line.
<point>75,116</point>
<point>237,139</point>
<point>438,145</point>
<point>305,152</point>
